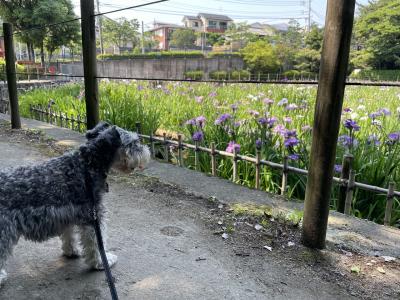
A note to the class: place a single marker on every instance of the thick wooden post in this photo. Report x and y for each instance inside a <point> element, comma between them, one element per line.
<point>89,62</point>
<point>213,160</point>
<point>11,76</point>
<point>349,192</point>
<point>332,77</point>
<point>346,167</point>
<point>389,204</point>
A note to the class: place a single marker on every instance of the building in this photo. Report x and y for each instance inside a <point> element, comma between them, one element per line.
<point>162,33</point>
<point>208,22</point>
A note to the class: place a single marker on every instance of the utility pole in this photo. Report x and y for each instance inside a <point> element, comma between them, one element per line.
<point>328,109</point>
<point>100,27</point>
<point>309,16</point>
<point>142,37</point>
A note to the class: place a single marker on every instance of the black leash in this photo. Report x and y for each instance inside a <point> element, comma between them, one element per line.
<point>100,244</point>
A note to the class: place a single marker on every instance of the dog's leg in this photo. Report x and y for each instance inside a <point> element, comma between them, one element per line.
<point>69,243</point>
<point>91,250</point>
<point>8,238</point>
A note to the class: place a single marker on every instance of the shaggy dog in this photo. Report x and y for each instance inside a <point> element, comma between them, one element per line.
<point>50,199</point>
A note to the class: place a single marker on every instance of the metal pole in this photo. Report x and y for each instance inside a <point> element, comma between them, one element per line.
<point>332,76</point>
<point>142,37</point>
<point>89,62</point>
<point>11,76</point>
<point>100,28</point>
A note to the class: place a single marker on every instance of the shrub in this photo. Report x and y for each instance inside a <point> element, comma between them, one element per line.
<point>219,75</point>
<point>194,74</point>
<point>224,54</point>
<point>239,75</point>
<point>376,75</point>
<point>295,74</point>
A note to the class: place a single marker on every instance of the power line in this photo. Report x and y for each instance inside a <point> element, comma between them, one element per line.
<point>129,7</point>
<point>46,25</point>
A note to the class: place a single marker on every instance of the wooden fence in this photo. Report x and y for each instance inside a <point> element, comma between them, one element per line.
<point>346,181</point>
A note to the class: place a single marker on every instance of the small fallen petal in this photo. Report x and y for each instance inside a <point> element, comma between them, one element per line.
<point>258,227</point>
<point>381,270</point>
<point>220,206</point>
<point>290,244</point>
<point>268,248</point>
<point>272,219</point>
<point>219,222</point>
<point>388,258</point>
<point>225,235</point>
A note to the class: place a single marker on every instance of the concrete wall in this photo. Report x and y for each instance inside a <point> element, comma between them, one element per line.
<point>173,68</point>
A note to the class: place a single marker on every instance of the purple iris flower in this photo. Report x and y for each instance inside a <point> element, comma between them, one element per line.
<point>347,141</point>
<point>347,109</point>
<point>291,106</point>
<point>338,168</point>
<point>373,140</point>
<point>237,124</point>
<point>140,87</point>
<point>254,113</point>
<point>306,128</point>
<point>385,111</point>
<point>280,129</point>
<point>271,121</point>
<point>191,122</point>
<point>262,121</point>
<point>232,146</point>
<point>222,118</point>
<point>198,136</point>
<point>283,102</point>
<point>291,142</point>
<point>212,94</point>
<point>374,115</point>
<point>268,101</point>
<point>258,143</point>
<point>394,136</point>
<point>293,156</point>
<point>351,125</point>
<point>287,119</point>
<point>290,133</point>
<point>201,121</point>
<point>234,107</point>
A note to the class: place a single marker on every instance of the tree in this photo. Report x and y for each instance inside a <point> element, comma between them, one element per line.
<point>313,39</point>
<point>29,16</point>
<point>377,35</point>
<point>183,38</point>
<point>121,32</point>
<point>261,56</point>
<point>215,39</point>
<point>308,59</point>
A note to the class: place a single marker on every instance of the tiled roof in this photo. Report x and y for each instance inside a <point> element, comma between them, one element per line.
<point>215,17</point>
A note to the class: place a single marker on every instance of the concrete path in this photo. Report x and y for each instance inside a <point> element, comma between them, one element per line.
<point>165,251</point>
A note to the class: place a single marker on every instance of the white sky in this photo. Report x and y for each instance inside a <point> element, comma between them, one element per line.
<point>172,11</point>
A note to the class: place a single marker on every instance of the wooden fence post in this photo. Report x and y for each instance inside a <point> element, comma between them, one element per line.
<point>284,175</point>
<point>11,76</point>
<point>138,127</point>
<point>166,152</point>
<point>258,168</point>
<point>89,62</point>
<point>389,204</point>
<point>332,78</point>
<point>180,156</point>
<point>213,160</point>
<point>152,148</point>
<point>346,167</point>
<point>235,165</point>
<point>349,192</point>
<point>196,156</point>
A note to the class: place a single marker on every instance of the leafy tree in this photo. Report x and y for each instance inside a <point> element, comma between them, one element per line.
<point>31,15</point>
<point>261,56</point>
<point>215,39</point>
<point>377,32</point>
<point>120,32</point>
<point>313,39</point>
<point>308,58</point>
<point>239,32</point>
<point>183,38</point>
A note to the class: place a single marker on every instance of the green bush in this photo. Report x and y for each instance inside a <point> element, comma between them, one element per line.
<point>219,75</point>
<point>19,69</point>
<point>295,74</point>
<point>194,74</point>
<point>239,75</point>
<point>376,75</point>
<point>223,54</point>
<point>165,54</point>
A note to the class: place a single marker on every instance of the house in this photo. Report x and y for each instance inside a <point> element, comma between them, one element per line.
<point>208,22</point>
<point>162,33</point>
<point>262,29</point>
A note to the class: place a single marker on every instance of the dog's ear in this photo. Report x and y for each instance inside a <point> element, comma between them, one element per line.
<point>93,133</point>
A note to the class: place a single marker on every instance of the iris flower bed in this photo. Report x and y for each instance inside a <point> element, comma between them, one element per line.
<point>274,118</point>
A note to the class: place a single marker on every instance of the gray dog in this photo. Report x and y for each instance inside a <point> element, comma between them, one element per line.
<point>49,199</point>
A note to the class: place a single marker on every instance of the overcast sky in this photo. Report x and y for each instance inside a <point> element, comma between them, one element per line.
<point>172,11</point>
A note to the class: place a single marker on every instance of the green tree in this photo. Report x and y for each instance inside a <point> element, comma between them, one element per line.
<point>183,38</point>
<point>261,56</point>
<point>215,39</point>
<point>377,35</point>
<point>31,15</point>
<point>313,39</point>
<point>308,59</point>
<point>121,32</point>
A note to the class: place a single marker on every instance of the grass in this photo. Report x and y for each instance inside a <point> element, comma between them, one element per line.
<point>193,108</point>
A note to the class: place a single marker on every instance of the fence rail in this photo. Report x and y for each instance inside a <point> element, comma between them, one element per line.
<point>79,123</point>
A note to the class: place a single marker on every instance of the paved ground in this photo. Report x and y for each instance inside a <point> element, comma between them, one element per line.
<point>167,251</point>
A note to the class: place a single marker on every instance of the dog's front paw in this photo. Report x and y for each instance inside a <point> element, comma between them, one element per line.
<point>111,258</point>
<point>71,252</point>
<point>3,276</point>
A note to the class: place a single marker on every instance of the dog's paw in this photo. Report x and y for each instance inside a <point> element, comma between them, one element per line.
<point>71,252</point>
<point>112,260</point>
<point>3,276</point>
